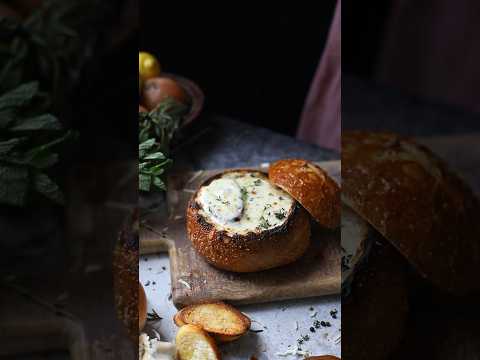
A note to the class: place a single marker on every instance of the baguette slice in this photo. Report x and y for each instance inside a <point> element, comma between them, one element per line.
<point>177,319</point>
<point>222,321</point>
<point>193,343</point>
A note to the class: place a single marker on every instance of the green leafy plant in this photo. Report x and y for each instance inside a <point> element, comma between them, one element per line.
<point>152,166</point>
<point>157,129</point>
<point>50,46</point>
<point>28,136</point>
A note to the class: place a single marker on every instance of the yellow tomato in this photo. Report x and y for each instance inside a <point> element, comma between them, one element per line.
<point>148,66</point>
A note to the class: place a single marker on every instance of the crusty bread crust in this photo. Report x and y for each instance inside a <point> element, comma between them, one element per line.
<point>253,251</point>
<point>311,186</point>
<point>377,308</point>
<point>142,307</point>
<point>408,194</point>
<point>125,276</point>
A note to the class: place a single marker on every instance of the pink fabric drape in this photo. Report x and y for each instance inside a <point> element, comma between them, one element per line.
<point>321,118</point>
<point>431,49</point>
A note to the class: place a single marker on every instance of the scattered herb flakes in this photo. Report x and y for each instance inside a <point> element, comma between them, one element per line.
<point>316,324</point>
<point>264,224</point>
<point>257,182</point>
<point>312,329</point>
<point>244,193</point>
<point>164,268</point>
<point>333,313</point>
<point>303,339</point>
<point>280,215</point>
<point>147,283</point>
<point>153,316</point>
<point>256,331</point>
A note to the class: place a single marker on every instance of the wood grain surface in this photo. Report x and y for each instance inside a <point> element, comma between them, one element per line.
<point>317,273</point>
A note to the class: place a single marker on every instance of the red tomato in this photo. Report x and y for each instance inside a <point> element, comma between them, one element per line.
<point>158,89</point>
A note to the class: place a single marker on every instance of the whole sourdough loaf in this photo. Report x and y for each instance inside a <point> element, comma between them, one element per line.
<point>427,212</point>
<point>376,307</point>
<point>125,277</point>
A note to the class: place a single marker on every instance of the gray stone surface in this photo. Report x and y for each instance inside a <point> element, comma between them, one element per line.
<point>222,143</point>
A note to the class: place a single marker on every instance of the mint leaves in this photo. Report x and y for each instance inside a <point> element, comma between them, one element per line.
<point>27,139</point>
<point>157,129</point>
<point>151,167</point>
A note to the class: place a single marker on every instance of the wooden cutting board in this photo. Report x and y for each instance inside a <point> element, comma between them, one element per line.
<point>317,273</point>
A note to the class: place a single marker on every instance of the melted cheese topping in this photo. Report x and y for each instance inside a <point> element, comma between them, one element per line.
<point>354,233</point>
<point>243,202</point>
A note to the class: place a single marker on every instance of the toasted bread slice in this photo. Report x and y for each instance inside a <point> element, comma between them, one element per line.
<point>177,319</point>
<point>222,321</point>
<point>193,343</point>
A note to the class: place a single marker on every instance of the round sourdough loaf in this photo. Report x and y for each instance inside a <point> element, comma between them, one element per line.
<point>427,212</point>
<point>125,276</point>
<point>142,307</point>
<point>263,229</point>
<point>311,186</point>
<point>376,308</point>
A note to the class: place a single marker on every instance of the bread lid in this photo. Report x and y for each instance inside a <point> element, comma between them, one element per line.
<point>416,203</point>
<point>311,186</point>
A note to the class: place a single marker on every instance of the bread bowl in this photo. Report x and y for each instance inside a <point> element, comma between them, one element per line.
<point>411,197</point>
<point>125,276</point>
<point>239,221</point>
<point>311,186</point>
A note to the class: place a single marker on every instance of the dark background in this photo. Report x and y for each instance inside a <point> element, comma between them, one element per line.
<point>362,34</point>
<point>253,66</point>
